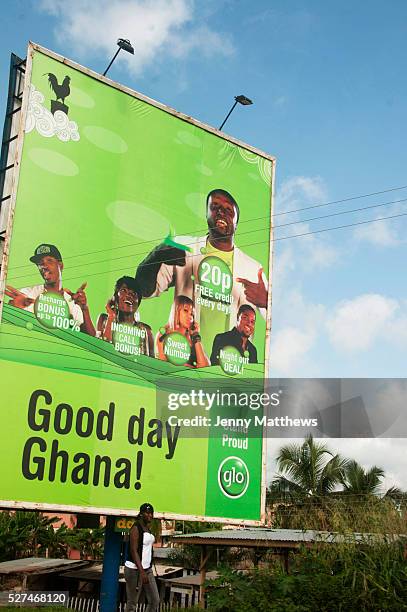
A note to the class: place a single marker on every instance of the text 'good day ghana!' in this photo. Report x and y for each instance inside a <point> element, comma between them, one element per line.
<point>44,457</point>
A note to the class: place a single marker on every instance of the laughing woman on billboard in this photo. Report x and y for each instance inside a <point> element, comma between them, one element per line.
<point>119,324</point>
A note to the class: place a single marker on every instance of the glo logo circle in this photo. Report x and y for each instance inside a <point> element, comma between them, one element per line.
<point>233,477</point>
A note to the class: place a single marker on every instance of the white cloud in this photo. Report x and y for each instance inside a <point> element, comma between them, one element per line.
<point>386,233</point>
<point>296,318</point>
<point>382,233</point>
<point>299,324</point>
<point>307,338</point>
<point>298,191</point>
<point>296,309</point>
<point>288,348</point>
<point>156,28</point>
<point>356,324</point>
<point>305,253</point>
<point>320,253</point>
<point>397,330</point>
<point>302,332</point>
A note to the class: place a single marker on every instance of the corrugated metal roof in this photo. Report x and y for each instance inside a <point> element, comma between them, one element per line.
<point>287,535</point>
<point>36,564</point>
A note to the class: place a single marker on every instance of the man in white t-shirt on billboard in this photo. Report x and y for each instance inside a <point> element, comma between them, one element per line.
<point>48,260</point>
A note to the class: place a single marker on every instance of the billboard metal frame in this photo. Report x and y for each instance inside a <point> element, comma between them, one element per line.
<point>15,119</point>
<point>32,48</point>
<point>14,102</point>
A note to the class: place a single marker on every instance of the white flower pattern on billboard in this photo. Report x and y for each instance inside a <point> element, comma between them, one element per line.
<point>46,123</point>
<point>228,153</point>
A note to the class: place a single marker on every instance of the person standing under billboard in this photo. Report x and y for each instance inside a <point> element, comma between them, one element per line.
<point>138,571</point>
<point>119,325</point>
<point>48,260</point>
<point>210,270</point>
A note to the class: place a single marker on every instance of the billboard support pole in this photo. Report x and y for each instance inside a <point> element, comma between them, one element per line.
<point>111,564</point>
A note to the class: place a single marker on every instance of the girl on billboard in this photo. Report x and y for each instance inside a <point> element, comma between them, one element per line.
<point>181,343</point>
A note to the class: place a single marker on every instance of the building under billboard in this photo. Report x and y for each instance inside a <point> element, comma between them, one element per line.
<point>137,250</point>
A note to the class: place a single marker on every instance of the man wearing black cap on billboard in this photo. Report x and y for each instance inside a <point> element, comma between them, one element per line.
<point>138,568</point>
<point>48,259</point>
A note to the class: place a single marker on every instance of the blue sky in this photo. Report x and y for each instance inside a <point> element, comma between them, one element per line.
<point>330,99</point>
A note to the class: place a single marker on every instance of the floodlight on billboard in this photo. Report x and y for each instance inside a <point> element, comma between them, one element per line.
<point>136,278</point>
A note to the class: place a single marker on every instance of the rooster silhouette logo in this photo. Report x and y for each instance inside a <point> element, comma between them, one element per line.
<point>61,92</point>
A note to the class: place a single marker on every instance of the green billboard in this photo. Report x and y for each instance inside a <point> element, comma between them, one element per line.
<point>138,250</point>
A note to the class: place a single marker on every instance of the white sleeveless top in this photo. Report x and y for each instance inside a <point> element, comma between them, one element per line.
<point>147,552</point>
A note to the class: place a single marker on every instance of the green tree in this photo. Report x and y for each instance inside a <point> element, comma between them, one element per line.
<point>307,470</point>
<point>12,541</point>
<point>396,494</point>
<point>89,542</point>
<point>54,542</point>
<point>23,534</point>
<point>358,481</point>
<point>316,489</point>
<point>346,576</point>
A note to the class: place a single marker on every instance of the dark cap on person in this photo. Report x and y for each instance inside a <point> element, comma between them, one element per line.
<point>44,250</point>
<point>146,508</point>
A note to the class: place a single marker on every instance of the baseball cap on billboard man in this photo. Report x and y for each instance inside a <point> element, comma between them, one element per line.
<point>51,303</point>
<point>44,250</point>
<point>48,260</point>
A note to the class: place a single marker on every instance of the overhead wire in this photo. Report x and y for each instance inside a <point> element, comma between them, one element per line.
<point>299,222</point>
<point>250,220</point>
<point>106,355</point>
<point>336,214</point>
<point>292,236</point>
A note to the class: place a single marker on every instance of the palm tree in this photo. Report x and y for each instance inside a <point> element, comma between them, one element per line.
<point>23,533</point>
<point>397,498</point>
<point>89,542</point>
<point>308,470</point>
<point>396,494</point>
<point>12,540</point>
<point>358,481</point>
<point>54,542</point>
